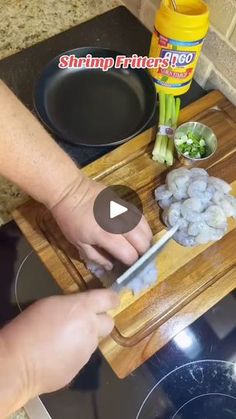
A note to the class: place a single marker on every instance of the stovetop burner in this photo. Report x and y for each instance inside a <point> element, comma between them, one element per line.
<point>31,270</point>
<point>194,376</point>
<point>204,389</point>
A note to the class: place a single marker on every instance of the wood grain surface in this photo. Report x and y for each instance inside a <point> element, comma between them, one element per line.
<point>191,280</point>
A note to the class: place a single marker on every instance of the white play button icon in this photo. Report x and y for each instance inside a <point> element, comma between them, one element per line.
<point>116,209</point>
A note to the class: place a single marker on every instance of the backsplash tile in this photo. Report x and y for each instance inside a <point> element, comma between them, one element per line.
<point>203,70</point>
<point>133,6</point>
<point>222,55</point>
<point>147,13</point>
<point>222,14</point>
<point>216,81</point>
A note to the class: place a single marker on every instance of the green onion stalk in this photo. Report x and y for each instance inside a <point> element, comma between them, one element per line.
<point>169,109</point>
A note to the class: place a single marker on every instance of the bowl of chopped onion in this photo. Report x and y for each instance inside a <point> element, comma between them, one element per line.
<point>195,142</point>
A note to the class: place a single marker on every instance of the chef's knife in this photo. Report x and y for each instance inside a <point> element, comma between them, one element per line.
<point>147,258</point>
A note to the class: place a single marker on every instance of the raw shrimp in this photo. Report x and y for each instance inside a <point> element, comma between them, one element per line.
<point>211,190</point>
<point>162,193</point>
<point>174,214</point>
<point>175,217</point>
<point>194,229</point>
<point>215,217</point>
<point>197,187</point>
<point>197,171</point>
<point>174,173</point>
<point>181,193</point>
<point>183,225</point>
<point>166,203</point>
<point>184,239</point>
<point>232,200</point>
<point>210,234</point>
<point>177,182</point>
<point>222,200</point>
<point>205,198</point>
<point>219,184</point>
<point>191,210</point>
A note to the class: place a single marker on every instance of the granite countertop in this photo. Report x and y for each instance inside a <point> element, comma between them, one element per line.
<point>23,24</point>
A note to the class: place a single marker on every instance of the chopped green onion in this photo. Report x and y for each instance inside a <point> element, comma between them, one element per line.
<point>191,145</point>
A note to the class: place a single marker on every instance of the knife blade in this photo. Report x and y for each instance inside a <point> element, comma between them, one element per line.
<point>151,254</point>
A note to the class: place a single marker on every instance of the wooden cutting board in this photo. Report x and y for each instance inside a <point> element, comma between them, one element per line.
<point>191,280</point>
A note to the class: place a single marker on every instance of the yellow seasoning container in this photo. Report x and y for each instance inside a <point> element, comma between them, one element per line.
<point>178,37</point>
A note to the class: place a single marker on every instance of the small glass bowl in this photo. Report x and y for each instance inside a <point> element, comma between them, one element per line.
<point>201,130</point>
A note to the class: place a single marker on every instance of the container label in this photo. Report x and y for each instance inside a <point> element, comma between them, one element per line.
<point>182,57</point>
<point>178,58</point>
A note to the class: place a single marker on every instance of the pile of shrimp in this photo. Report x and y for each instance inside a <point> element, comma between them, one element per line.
<point>200,204</point>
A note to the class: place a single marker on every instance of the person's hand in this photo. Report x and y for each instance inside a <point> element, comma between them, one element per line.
<point>74,215</point>
<point>55,337</point>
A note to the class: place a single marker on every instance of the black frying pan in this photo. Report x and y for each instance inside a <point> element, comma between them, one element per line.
<point>91,107</point>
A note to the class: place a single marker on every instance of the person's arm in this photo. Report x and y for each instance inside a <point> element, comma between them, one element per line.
<point>45,347</point>
<point>30,158</point>
<point>13,394</point>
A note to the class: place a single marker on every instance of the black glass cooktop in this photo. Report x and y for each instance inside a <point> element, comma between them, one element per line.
<point>193,377</point>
